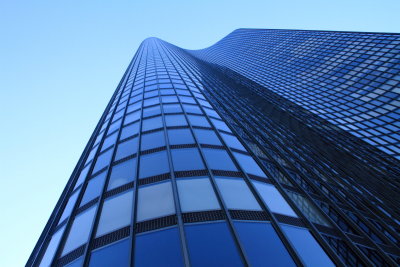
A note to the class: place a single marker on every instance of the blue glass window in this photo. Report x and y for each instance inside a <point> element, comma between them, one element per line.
<point>131,117</point>
<point>220,125</point>
<point>94,187</point>
<point>155,201</point>
<point>153,123</point>
<point>51,248</point>
<point>160,248</point>
<point>169,99</point>
<point>127,149</point>
<point>207,137</point>
<point>262,245</point>
<point>122,173</point>
<point>232,141</point>
<point>273,199</point>
<point>103,160</point>
<point>152,140</point>
<point>237,194</point>
<point>129,131</point>
<point>192,109</point>
<point>82,176</point>
<point>116,213</point>
<point>167,92</point>
<point>211,244</point>
<point>218,159</point>
<point>187,99</point>
<point>115,254</point>
<point>80,230</point>
<point>180,136</point>
<point>151,101</point>
<point>198,121</point>
<point>134,107</point>
<point>114,126</point>
<point>212,113</point>
<point>248,164</point>
<point>151,111</point>
<point>172,108</point>
<point>153,164</point>
<point>109,141</point>
<point>175,120</point>
<point>196,194</point>
<point>69,207</point>
<point>186,159</point>
<point>306,246</point>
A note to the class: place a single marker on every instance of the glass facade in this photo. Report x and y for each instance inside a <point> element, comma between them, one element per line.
<point>249,153</point>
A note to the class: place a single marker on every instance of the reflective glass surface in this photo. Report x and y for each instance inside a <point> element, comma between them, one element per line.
<point>196,194</point>
<point>115,254</point>
<point>116,213</point>
<point>160,248</point>
<point>211,244</point>
<point>186,159</point>
<point>262,245</point>
<point>237,194</point>
<point>155,201</point>
<point>153,164</point>
<point>122,173</point>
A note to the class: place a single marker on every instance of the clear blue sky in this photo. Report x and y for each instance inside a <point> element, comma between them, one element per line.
<point>60,61</point>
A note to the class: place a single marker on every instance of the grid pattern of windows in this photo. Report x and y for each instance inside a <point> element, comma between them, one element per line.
<point>187,168</point>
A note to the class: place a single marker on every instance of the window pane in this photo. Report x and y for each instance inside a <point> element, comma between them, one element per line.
<point>116,254</point>
<point>273,199</point>
<point>212,113</point>
<point>175,120</point>
<point>82,176</point>
<point>160,248</point>
<point>114,126</point>
<point>153,164</point>
<point>236,194</point>
<point>151,101</point>
<point>131,117</point>
<point>306,246</point>
<point>152,140</point>
<point>198,121</point>
<point>129,131</point>
<point>232,141</point>
<point>155,201</point>
<point>94,187</point>
<point>103,160</point>
<point>186,159</point>
<point>172,108</point>
<point>207,137</point>
<point>80,230</point>
<point>196,194</point>
<point>127,149</point>
<point>69,206</point>
<point>211,244</point>
<point>180,136</point>
<point>51,248</point>
<point>219,160</point>
<point>151,111</point>
<point>220,125</point>
<point>122,173</point>
<point>116,213</point>
<point>248,164</point>
<point>169,99</point>
<point>153,123</point>
<point>262,244</point>
<point>192,109</point>
<point>109,141</point>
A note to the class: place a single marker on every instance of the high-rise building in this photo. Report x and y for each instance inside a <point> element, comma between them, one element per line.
<point>269,148</point>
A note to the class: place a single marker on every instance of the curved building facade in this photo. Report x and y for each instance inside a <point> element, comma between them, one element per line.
<point>249,153</point>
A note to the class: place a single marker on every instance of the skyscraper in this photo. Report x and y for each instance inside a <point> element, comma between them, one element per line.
<point>270,148</point>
